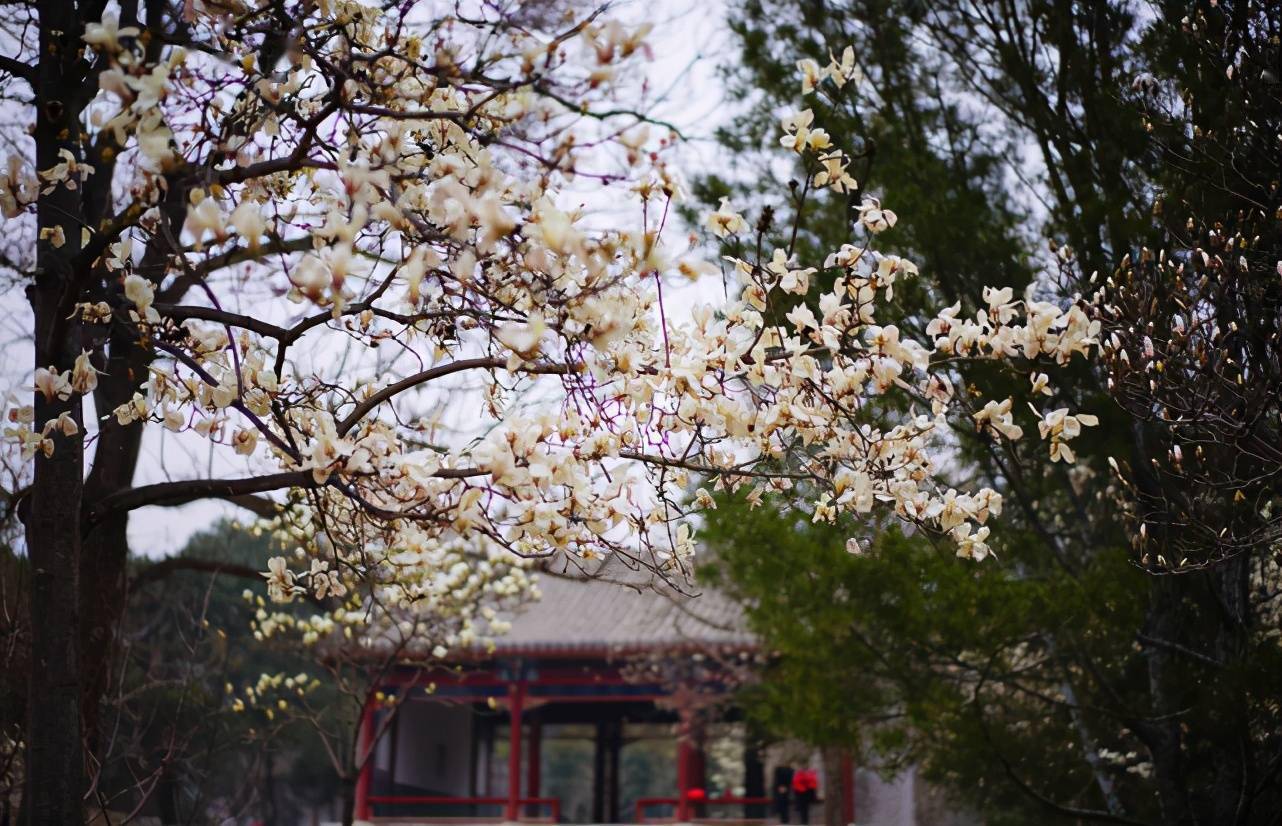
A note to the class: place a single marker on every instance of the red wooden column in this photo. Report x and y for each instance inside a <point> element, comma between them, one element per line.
<point>683,780</point>
<point>364,749</point>
<point>685,764</point>
<point>516,701</point>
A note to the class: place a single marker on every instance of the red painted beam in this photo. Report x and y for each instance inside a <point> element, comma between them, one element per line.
<point>545,676</point>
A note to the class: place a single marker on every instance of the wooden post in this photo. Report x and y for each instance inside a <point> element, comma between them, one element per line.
<point>515,703</point>
<point>685,761</point>
<point>614,744</point>
<point>533,776</point>
<point>598,773</point>
<point>394,748</point>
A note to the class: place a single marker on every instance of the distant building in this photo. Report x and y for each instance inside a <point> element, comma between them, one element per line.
<point>609,702</point>
<point>600,703</point>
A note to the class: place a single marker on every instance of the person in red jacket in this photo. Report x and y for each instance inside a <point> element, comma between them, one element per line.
<point>805,788</point>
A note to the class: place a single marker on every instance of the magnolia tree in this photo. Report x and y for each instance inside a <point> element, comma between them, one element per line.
<point>343,244</point>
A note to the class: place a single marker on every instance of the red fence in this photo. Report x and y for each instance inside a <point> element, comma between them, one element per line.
<point>553,804</point>
<point>702,803</point>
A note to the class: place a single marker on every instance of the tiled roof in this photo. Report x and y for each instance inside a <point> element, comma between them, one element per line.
<point>615,610</point>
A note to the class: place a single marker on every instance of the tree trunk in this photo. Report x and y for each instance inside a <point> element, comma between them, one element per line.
<point>105,555</point>
<point>1230,584</point>
<point>1182,611</point>
<point>835,781</point>
<point>55,767</point>
<point>55,761</point>
<point>348,814</point>
<point>1164,738</point>
<point>167,798</point>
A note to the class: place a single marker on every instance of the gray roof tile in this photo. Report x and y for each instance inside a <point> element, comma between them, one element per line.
<point>615,609</point>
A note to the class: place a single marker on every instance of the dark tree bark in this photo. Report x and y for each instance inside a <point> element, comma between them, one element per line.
<point>836,781</point>
<point>106,552</point>
<point>1163,737</point>
<point>348,814</point>
<point>55,758</point>
<point>106,544</point>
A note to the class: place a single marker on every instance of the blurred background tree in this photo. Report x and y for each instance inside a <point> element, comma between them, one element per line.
<point>181,752</point>
<point>1094,671</point>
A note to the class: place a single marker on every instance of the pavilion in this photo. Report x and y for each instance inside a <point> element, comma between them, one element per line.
<point>599,706</point>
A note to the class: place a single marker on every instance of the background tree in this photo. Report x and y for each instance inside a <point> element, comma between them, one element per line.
<point>1110,128</point>
<point>228,705</point>
<point>907,659</point>
<point>182,753</point>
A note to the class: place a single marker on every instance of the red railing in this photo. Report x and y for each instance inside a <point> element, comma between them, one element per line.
<point>694,802</point>
<point>553,804</point>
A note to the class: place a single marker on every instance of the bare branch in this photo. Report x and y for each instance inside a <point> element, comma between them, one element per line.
<point>170,494</point>
<point>18,69</point>
<point>165,567</point>
<point>484,363</point>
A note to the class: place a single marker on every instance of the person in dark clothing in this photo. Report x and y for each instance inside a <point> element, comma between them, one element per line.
<point>805,788</point>
<point>782,791</point>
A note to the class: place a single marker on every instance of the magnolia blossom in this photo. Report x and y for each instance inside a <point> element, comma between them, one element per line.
<point>52,384</point>
<point>142,293</point>
<point>834,174</point>
<point>84,377</point>
<point>280,580</point>
<point>799,137</point>
<point>244,441</point>
<point>106,35</point>
<point>18,187</point>
<point>874,218</point>
<point>790,280</point>
<point>725,221</point>
<point>1059,426</point>
<point>997,415</point>
<point>971,544</point>
<point>69,172</point>
<point>839,70</point>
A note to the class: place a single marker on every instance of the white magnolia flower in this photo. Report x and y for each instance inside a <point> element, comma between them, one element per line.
<point>106,34</point>
<point>84,378</point>
<point>725,221</point>
<point>997,415</point>
<point>53,385</point>
<point>280,580</point>
<point>142,293</point>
